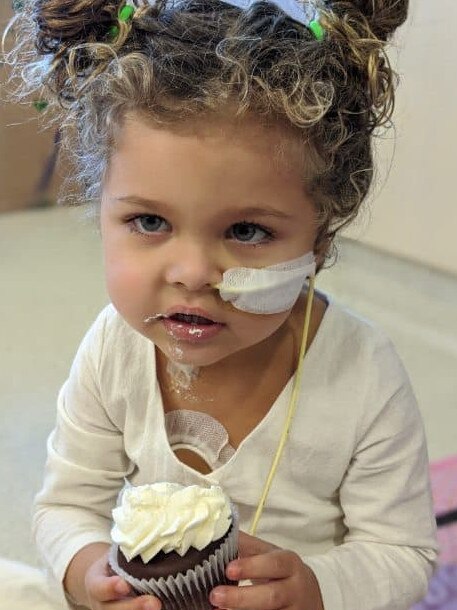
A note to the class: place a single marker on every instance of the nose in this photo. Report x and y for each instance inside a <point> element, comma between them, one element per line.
<point>193,266</point>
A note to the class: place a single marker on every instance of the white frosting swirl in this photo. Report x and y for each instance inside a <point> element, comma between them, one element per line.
<point>169,517</point>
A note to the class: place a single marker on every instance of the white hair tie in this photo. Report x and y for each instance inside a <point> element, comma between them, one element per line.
<point>305,12</point>
<point>301,11</point>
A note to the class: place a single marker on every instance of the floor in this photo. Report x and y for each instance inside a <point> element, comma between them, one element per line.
<point>52,287</point>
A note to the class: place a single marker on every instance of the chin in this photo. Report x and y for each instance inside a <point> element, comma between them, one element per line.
<point>183,353</point>
<point>195,359</point>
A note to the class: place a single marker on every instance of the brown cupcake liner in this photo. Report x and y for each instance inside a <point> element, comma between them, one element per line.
<point>190,590</point>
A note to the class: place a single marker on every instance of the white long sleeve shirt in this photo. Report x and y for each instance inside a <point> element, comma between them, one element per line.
<point>351,494</point>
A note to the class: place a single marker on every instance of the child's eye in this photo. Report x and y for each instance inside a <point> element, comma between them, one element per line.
<point>250,233</point>
<point>145,224</point>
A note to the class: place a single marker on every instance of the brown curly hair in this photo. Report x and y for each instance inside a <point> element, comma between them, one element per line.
<point>186,59</point>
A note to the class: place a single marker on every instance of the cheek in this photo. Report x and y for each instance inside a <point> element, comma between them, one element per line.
<point>124,277</point>
<point>255,328</point>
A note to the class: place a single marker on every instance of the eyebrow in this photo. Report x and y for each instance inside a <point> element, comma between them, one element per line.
<point>249,210</point>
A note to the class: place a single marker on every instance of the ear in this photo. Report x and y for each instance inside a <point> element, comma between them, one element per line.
<point>321,249</point>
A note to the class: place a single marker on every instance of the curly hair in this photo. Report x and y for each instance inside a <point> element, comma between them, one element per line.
<point>179,60</point>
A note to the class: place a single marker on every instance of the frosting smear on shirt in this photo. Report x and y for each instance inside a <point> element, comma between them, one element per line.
<point>169,517</point>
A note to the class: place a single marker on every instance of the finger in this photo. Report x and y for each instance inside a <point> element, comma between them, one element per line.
<point>250,545</point>
<point>108,588</point>
<point>145,602</point>
<point>271,566</point>
<point>271,596</point>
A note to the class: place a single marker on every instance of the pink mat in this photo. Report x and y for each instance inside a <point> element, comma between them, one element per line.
<point>442,592</point>
<point>444,489</point>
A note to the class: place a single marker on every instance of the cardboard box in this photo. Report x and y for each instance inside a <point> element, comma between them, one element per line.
<point>24,148</point>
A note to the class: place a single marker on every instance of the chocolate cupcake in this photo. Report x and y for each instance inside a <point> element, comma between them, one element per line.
<point>174,542</point>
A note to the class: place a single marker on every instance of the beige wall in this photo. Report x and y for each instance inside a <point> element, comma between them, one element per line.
<point>414,214</point>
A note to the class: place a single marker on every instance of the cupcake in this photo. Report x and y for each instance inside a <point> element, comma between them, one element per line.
<point>174,542</point>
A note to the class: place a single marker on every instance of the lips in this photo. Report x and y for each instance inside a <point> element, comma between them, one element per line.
<point>193,325</point>
<point>191,315</point>
<point>186,319</point>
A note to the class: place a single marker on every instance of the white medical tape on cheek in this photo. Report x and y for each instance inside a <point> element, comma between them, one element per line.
<point>267,290</point>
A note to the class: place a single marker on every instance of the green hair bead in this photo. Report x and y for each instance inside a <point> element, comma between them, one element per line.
<point>125,14</point>
<point>316,29</point>
<point>40,105</point>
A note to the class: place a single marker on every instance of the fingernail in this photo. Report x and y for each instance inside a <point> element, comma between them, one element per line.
<point>217,598</point>
<point>233,570</point>
<point>122,587</point>
<point>149,606</point>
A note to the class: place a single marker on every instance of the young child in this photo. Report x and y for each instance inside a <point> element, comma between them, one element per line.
<point>222,145</point>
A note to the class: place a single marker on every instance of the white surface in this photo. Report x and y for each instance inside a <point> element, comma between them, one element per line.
<point>27,588</point>
<point>52,288</point>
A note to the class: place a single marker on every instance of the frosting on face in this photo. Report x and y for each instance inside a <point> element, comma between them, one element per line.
<point>181,376</point>
<point>267,290</point>
<point>169,517</point>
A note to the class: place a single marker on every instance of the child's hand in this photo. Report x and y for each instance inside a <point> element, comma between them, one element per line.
<point>281,580</point>
<point>106,592</point>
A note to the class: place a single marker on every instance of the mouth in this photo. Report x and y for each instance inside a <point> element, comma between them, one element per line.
<point>191,319</point>
<point>191,325</point>
<point>191,315</point>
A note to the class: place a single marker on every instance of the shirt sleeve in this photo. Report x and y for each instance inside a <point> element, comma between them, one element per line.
<point>85,467</point>
<point>390,549</point>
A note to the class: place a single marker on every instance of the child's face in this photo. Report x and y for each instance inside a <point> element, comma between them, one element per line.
<point>178,210</point>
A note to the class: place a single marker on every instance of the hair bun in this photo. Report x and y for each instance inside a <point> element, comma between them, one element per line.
<point>66,22</point>
<point>384,16</point>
